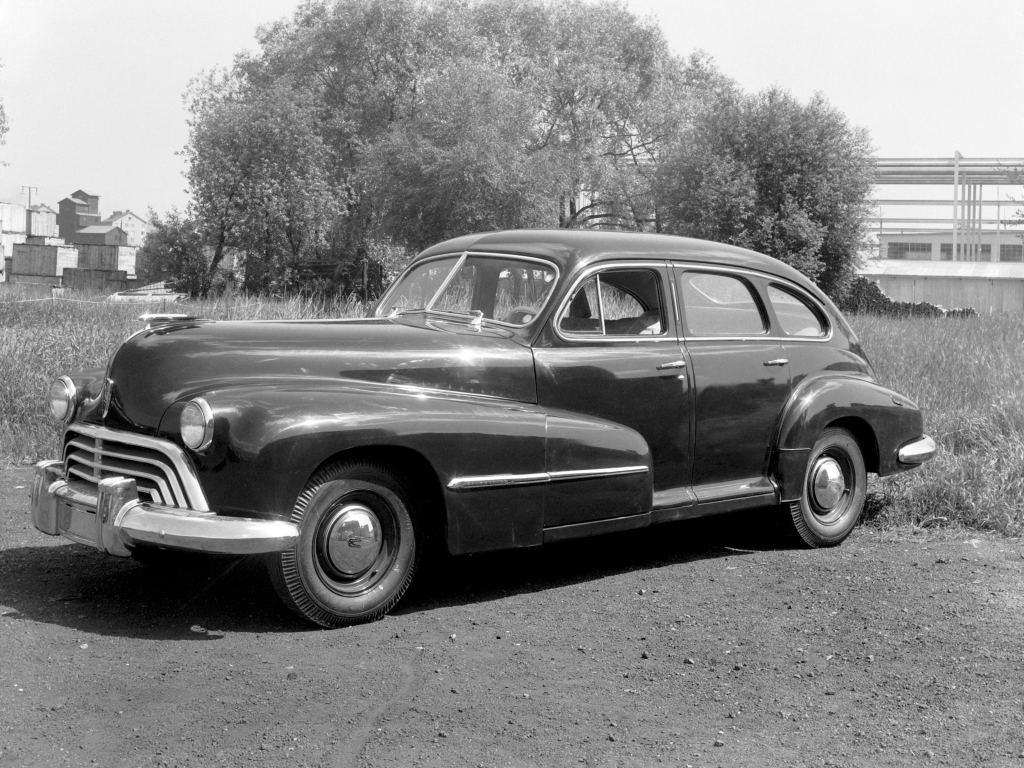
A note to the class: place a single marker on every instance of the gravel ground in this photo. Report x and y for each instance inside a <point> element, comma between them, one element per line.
<point>707,643</point>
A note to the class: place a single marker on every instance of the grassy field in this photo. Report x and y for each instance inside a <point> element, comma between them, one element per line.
<point>968,377</point>
<point>966,374</point>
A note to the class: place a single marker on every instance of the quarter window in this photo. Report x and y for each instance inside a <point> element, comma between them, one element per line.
<point>795,316</point>
<point>617,302</point>
<point>719,305</point>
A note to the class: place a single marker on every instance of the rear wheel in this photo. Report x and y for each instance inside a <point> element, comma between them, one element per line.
<point>357,548</point>
<point>833,490</point>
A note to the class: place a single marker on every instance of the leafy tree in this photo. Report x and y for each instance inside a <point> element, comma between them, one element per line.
<point>766,172</point>
<point>174,250</point>
<point>4,125</point>
<point>261,176</point>
<point>463,163</point>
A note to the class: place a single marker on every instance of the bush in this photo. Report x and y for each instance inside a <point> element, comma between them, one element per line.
<point>865,298</point>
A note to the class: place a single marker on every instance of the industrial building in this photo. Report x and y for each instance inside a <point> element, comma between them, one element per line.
<point>72,247</point>
<point>948,231</point>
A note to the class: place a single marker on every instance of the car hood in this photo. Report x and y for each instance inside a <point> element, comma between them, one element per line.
<point>160,366</point>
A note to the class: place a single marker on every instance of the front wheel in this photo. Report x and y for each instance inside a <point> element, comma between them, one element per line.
<point>357,548</point>
<point>833,490</point>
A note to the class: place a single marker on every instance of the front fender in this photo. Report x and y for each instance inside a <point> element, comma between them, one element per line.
<point>880,419</point>
<point>268,442</point>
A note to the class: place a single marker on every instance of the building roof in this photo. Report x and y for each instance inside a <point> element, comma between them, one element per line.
<point>122,215</point>
<point>97,229</point>
<point>987,270</point>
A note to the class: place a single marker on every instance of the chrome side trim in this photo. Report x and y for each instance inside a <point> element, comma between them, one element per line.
<point>473,482</point>
<point>916,451</point>
<point>175,455</point>
<point>584,474</point>
<point>496,481</point>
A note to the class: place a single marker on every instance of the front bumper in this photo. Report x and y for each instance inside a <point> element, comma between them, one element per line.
<point>117,520</point>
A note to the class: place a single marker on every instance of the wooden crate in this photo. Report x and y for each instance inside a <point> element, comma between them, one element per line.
<point>97,257</point>
<point>34,279</point>
<point>106,281</point>
<point>43,260</point>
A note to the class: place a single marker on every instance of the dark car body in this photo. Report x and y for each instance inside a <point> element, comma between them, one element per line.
<point>647,378</point>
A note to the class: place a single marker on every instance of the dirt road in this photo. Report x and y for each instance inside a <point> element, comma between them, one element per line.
<point>698,644</point>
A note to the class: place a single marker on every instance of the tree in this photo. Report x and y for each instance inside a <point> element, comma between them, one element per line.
<point>174,250</point>
<point>4,125</point>
<point>465,162</point>
<point>262,178</point>
<point>766,172</point>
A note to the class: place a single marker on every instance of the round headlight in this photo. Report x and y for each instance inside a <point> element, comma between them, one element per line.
<point>197,424</point>
<point>61,398</point>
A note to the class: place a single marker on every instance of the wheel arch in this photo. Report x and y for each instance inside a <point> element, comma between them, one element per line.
<point>864,434</point>
<point>412,468</point>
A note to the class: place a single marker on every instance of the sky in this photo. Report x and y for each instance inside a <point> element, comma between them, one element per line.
<point>93,88</point>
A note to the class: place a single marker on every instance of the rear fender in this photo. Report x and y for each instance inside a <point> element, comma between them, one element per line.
<point>880,419</point>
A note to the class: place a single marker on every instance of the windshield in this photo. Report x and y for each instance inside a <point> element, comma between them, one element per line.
<point>506,289</point>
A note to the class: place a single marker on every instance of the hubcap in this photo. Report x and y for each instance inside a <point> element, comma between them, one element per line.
<point>827,483</point>
<point>352,539</point>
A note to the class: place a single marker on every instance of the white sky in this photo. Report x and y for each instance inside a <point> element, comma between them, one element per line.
<point>93,88</point>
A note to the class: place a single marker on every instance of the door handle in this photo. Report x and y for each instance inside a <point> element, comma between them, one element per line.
<point>674,364</point>
<point>780,361</point>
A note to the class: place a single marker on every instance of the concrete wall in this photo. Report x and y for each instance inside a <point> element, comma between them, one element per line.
<point>986,296</point>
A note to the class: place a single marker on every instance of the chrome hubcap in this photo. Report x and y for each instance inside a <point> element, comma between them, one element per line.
<point>352,539</point>
<point>827,483</point>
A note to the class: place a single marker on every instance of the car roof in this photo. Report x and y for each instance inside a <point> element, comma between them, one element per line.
<point>571,248</point>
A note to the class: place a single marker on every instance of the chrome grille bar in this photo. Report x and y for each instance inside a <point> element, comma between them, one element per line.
<point>161,468</point>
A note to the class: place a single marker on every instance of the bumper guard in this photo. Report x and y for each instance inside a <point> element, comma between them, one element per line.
<point>117,520</point>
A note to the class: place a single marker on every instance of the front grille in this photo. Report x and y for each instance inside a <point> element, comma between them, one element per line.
<point>158,467</point>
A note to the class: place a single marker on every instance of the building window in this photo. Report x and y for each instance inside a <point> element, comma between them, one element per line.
<point>983,251</point>
<point>1010,252</point>
<point>916,251</point>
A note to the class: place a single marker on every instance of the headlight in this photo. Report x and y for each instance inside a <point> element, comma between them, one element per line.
<point>62,398</point>
<point>197,424</point>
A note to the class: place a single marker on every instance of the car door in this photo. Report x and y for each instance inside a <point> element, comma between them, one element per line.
<point>611,352</point>
<point>741,381</point>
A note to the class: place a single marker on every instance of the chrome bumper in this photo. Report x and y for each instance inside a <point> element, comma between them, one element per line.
<point>116,520</point>
<point>916,451</point>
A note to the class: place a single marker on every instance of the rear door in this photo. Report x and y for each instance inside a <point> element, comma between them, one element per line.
<point>741,381</point>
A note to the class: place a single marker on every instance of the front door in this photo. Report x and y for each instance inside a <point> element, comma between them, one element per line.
<point>612,352</point>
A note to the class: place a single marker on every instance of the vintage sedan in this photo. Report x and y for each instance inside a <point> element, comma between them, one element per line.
<point>510,389</point>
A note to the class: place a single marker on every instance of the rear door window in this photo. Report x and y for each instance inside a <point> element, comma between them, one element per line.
<point>719,305</point>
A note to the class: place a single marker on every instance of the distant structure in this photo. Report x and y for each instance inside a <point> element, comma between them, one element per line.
<point>134,226</point>
<point>916,252</point>
<point>70,247</point>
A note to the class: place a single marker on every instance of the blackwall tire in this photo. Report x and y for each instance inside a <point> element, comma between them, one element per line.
<point>833,490</point>
<point>357,549</point>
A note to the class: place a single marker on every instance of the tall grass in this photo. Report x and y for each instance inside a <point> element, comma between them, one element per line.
<point>41,339</point>
<point>967,375</point>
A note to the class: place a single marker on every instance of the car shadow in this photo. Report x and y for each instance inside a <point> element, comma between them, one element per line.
<point>446,581</point>
<point>201,598</point>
